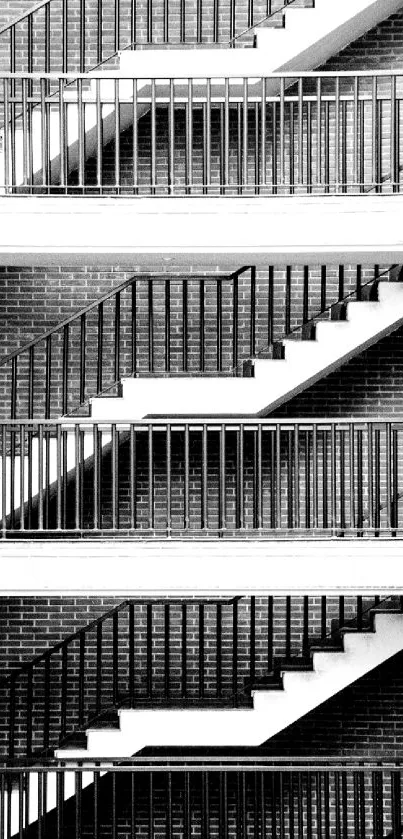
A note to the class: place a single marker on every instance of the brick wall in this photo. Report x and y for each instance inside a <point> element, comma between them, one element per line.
<point>364,720</point>
<point>368,385</point>
<point>29,627</point>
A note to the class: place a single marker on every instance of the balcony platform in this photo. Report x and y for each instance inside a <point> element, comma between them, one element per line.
<point>129,567</point>
<point>174,233</point>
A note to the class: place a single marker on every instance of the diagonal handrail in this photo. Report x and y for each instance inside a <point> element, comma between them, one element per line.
<point>24,15</point>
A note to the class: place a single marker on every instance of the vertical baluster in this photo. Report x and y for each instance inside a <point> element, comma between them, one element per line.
<point>219,324</point>
<point>319,131</point>
<point>182,21</point>
<point>169,478</point>
<point>117,338</point>
<point>186,521</point>
<point>149,650</point>
<point>288,628</point>
<point>323,618</point>
<point>117,25</point>
<point>40,476</point>
<point>83,350</point>
<point>305,627</point>
<point>355,131</point>
<point>305,298</point>
<point>135,149</point>
<point>117,134</point>
<point>351,468</point>
<point>65,367</point>
<point>333,478</point>
<point>185,337</point>
<point>375,135</point>
<point>44,135</point>
<point>226,134</point>
<point>199,21</point>
<point>29,709</point>
<point>245,113</point>
<point>184,651</point>
<point>115,658</point>
<point>222,524</point>
<point>235,652</point>
<point>337,133</point>
<point>204,479</point>
<point>388,433</point>
<point>99,673</point>
<point>219,650</point>
<point>287,319</point>
<point>253,311</point>
<point>100,346</point>
<point>258,493</point>
<point>270,304</point>
<point>115,476</point>
<point>370,476</point>
<point>207,133</point>
<point>81,678</point>
<point>166,21</point>
<point>133,326</point>
<point>150,296</point>
<point>270,603</point>
<point>100,33</point>
<point>167,660</point>
<point>296,517</point>
<point>323,288</point>
<point>278,522</point>
<point>201,650</point>
<point>133,477</point>
<point>240,478</point>
<point>48,373</point>
<point>263,156</point>
<point>300,131</point>
<point>153,138</point>
<point>7,121</point>
<point>81,130</point>
<point>341,282</point>
<point>65,36</point>
<point>252,640</point>
<point>282,132</point>
<point>11,718</point>
<point>359,283</point>
<point>150,479</point>
<point>189,137</point>
<point>22,478</point>
<point>96,484</point>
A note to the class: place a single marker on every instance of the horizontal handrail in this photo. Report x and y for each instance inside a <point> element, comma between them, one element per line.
<point>210,421</point>
<point>201,74</point>
<point>207,762</point>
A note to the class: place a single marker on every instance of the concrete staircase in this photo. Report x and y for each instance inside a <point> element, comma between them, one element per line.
<point>275,706</point>
<point>352,327</point>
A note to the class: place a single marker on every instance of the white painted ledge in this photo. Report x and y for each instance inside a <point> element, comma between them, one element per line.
<point>167,233</point>
<point>156,567</point>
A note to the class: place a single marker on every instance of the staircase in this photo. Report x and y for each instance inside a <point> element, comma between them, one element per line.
<point>294,683</point>
<point>275,706</point>
<point>351,328</point>
<point>308,38</point>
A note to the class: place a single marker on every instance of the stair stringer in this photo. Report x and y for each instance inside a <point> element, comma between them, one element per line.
<point>275,381</point>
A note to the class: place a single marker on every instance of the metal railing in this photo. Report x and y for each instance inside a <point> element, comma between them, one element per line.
<point>77,35</point>
<point>187,797</point>
<point>169,325</point>
<point>286,134</point>
<point>164,653</point>
<point>190,477</point>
